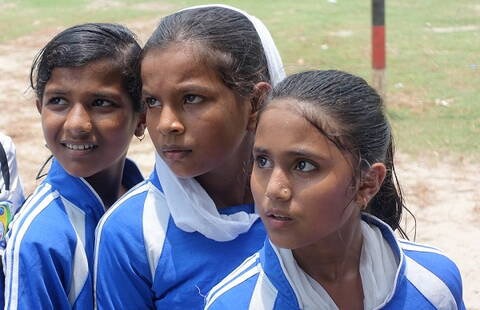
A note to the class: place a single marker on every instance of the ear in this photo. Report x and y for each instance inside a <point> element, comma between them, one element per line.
<point>370,183</point>
<point>141,124</point>
<point>260,94</point>
<point>38,103</point>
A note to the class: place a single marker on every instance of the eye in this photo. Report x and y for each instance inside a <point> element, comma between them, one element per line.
<point>57,100</point>
<point>102,103</point>
<point>263,162</point>
<point>152,102</point>
<point>192,99</point>
<point>305,166</point>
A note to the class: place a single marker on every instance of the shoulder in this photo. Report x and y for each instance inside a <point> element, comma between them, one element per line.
<point>430,270</point>
<point>138,207</point>
<point>129,206</point>
<point>131,174</point>
<point>7,145</point>
<point>42,223</point>
<point>235,290</point>
<point>430,258</point>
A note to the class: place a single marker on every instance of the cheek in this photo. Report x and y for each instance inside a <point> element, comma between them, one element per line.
<point>51,123</point>
<point>327,202</point>
<point>119,124</point>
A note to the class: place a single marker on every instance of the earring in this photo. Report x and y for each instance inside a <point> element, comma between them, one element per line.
<point>141,137</point>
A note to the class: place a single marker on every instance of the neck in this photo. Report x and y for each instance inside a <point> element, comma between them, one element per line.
<point>108,183</point>
<point>229,184</point>
<point>335,264</point>
<point>337,257</point>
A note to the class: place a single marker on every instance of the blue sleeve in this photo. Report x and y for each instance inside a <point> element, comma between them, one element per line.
<point>2,288</point>
<point>445,269</point>
<point>38,266</point>
<point>122,273</point>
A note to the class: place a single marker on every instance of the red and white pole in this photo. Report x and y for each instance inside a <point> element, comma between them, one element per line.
<point>378,46</point>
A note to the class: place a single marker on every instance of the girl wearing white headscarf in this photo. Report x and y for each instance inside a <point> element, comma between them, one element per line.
<point>206,71</point>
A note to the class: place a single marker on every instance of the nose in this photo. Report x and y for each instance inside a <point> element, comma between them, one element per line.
<point>169,123</point>
<point>278,187</point>
<point>78,120</point>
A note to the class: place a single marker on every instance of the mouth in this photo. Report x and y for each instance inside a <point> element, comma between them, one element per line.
<point>79,147</point>
<point>278,217</point>
<point>175,152</point>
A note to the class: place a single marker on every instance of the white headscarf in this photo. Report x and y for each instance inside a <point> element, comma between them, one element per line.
<point>191,207</point>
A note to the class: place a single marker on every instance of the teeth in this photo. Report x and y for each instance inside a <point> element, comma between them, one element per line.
<point>280,217</point>
<point>80,147</point>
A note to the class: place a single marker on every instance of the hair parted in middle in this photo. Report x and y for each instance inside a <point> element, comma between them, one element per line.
<point>225,38</point>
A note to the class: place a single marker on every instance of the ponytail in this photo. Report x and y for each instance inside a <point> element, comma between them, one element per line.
<point>388,203</point>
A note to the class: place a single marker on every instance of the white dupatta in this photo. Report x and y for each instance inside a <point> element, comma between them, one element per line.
<point>190,206</point>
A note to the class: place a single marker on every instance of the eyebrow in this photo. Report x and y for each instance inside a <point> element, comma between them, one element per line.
<point>194,88</point>
<point>304,153</point>
<point>293,153</point>
<point>56,92</point>
<point>145,92</point>
<point>260,150</point>
<point>106,95</point>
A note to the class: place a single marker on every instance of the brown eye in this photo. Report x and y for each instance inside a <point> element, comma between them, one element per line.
<point>305,166</point>
<point>263,162</point>
<point>192,99</point>
<point>57,100</point>
<point>102,103</point>
<point>152,102</point>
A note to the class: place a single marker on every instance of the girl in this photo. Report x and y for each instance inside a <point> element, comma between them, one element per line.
<point>326,195</point>
<point>205,73</point>
<point>11,196</point>
<point>87,85</point>
<point>11,189</point>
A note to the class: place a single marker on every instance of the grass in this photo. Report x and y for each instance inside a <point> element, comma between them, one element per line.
<point>433,68</point>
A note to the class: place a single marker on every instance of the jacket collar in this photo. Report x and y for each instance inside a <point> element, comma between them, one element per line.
<point>275,271</point>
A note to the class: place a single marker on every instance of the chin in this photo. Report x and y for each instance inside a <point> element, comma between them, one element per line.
<point>282,243</point>
<point>181,173</point>
<point>186,173</point>
<point>79,172</point>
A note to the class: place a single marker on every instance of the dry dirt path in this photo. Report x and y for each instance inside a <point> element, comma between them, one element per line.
<point>442,193</point>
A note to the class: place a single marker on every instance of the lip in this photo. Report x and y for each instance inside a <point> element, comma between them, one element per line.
<point>277,219</point>
<point>79,147</point>
<point>173,152</point>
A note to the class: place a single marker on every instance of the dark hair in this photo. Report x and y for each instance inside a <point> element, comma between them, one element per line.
<point>228,40</point>
<point>82,44</point>
<point>351,114</point>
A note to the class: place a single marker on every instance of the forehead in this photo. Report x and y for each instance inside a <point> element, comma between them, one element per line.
<point>284,133</point>
<point>99,72</point>
<point>182,59</point>
<point>282,126</point>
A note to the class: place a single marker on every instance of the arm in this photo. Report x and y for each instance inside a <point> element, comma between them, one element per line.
<point>122,273</point>
<point>15,193</point>
<point>37,270</point>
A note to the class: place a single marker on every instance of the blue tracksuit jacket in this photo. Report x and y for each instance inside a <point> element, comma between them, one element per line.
<point>144,261</point>
<point>426,279</point>
<point>48,261</point>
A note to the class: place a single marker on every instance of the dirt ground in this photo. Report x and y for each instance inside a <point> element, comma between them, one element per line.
<point>441,191</point>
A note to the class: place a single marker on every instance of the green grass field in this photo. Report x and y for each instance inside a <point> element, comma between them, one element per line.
<point>433,52</point>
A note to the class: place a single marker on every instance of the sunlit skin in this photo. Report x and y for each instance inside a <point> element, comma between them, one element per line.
<point>305,194</point>
<point>199,126</point>
<point>88,122</point>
